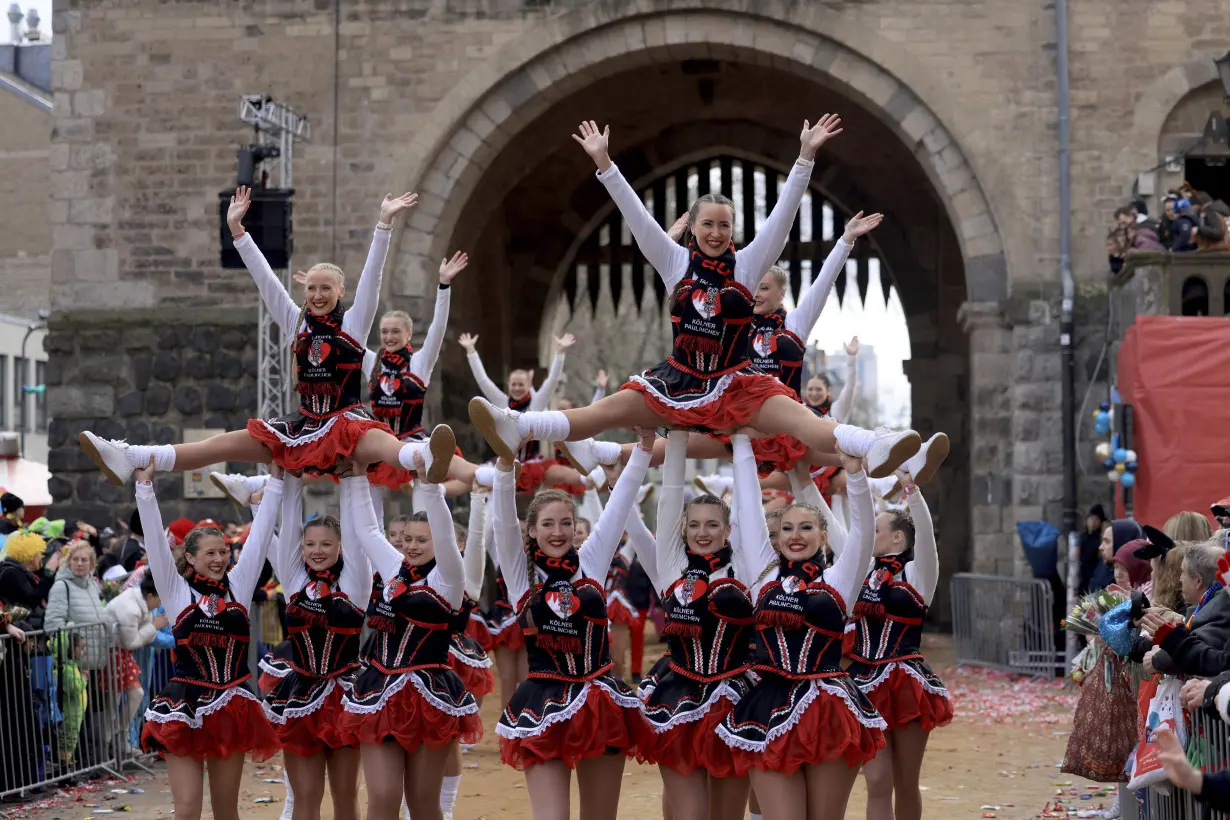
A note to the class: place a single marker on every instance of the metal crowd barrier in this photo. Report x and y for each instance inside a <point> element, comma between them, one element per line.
<point>62,703</point>
<point>1208,749</point>
<point>1005,623</point>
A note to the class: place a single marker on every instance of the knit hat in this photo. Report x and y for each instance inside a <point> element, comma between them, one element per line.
<point>180,528</point>
<point>23,546</point>
<point>10,503</point>
<point>1124,530</point>
<point>1139,570</point>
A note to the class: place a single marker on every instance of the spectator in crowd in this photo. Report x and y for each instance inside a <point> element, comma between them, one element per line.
<point>1198,644</point>
<point>74,598</point>
<point>1187,526</point>
<point>1132,571</point>
<point>1183,229</point>
<point>1114,536</point>
<point>24,580</point>
<point>1212,223</point>
<point>134,548</point>
<point>1091,545</point>
<point>12,511</point>
<point>135,629</point>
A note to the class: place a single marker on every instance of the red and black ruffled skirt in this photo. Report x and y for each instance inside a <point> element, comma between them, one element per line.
<point>477,629</point>
<point>467,658</point>
<point>903,692</point>
<point>548,719</point>
<point>533,473</point>
<point>188,720</point>
<point>313,728</point>
<point>504,626</point>
<point>720,404</point>
<point>421,707</point>
<point>621,611</point>
<point>314,446</point>
<point>784,724</point>
<point>776,453</point>
<point>684,715</point>
<point>383,474</point>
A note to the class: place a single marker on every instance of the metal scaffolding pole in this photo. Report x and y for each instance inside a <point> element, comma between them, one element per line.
<point>278,125</point>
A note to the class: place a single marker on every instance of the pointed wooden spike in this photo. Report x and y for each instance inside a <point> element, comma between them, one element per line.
<point>840,287</point>
<point>864,279</point>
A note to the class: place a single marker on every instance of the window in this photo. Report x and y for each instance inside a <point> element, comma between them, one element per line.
<point>19,393</point>
<point>40,398</point>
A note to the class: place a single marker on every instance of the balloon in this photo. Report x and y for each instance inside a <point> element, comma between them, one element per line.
<point>1127,479</point>
<point>1112,475</point>
<point>1104,406</point>
<point>1101,426</point>
<point>1130,455</point>
<point>1132,466</point>
<point>1120,467</point>
<point>1102,451</point>
<point>1120,455</point>
<point>1108,464</point>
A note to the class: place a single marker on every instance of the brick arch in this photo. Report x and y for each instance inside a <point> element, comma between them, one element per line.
<point>446,160</point>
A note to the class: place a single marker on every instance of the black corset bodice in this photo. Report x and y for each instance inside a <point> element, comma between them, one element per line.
<point>708,634</point>
<point>410,627</point>
<point>799,629</point>
<point>397,394</point>
<point>890,621</point>
<point>566,637</point>
<point>617,575</point>
<point>323,632</point>
<point>329,367</point>
<point>711,316</point>
<point>461,618</point>
<point>211,643</point>
<point>777,351</point>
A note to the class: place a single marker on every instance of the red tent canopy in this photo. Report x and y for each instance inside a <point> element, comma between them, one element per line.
<point>1175,372</point>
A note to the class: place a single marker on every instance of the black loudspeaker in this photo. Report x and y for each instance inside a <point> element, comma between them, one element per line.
<point>268,220</point>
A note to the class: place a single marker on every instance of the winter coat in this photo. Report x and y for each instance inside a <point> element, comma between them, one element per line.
<point>20,587</point>
<point>133,623</point>
<point>77,602</point>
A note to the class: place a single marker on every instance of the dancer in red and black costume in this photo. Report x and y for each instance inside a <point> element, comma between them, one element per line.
<point>331,423</point>
<point>206,714</point>
<point>326,580</point>
<point>707,383</point>
<point>805,728</point>
<point>571,713</point>
<point>407,706</point>
<point>708,623</point>
<point>888,665</point>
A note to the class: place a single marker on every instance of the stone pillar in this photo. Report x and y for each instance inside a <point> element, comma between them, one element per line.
<point>991,370</point>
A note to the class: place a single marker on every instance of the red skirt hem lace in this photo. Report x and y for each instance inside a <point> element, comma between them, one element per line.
<point>239,727</point>
<point>732,410</point>
<point>533,473</point>
<point>599,727</point>
<point>827,730</point>
<point>314,733</point>
<point>618,613</point>
<point>902,700</point>
<point>511,637</point>
<point>322,454</point>
<point>408,720</point>
<point>781,452</point>
<point>696,745</point>
<point>478,680</point>
<point>478,630</point>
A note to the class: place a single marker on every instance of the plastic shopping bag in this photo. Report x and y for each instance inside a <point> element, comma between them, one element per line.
<point>1164,712</point>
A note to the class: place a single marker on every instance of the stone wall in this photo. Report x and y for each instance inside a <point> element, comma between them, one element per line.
<point>25,242</point>
<point>143,376</point>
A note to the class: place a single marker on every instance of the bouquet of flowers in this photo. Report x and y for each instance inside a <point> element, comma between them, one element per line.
<point>1084,617</point>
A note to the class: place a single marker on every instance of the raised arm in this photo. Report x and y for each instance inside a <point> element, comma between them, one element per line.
<point>645,547</point>
<point>488,388</point>
<point>672,552</point>
<point>506,533</point>
<point>755,552</point>
<point>475,556</point>
<point>448,577</point>
<point>247,571</point>
<point>851,567</point>
<point>805,490</point>
<point>590,507</point>
<point>599,549</point>
<point>287,556</point>
<point>668,257</point>
<point>806,313</point>
<point>356,578</point>
<point>599,387</point>
<point>356,502</point>
<point>923,572</point>
<point>172,588</point>
<point>843,405</point>
<point>358,320</point>
<point>423,361</point>
<point>540,399</point>
<point>272,292</point>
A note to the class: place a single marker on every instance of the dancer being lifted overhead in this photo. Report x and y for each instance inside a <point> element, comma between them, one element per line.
<point>707,382</point>
<point>331,423</point>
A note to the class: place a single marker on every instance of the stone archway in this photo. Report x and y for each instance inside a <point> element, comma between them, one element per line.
<point>500,144</point>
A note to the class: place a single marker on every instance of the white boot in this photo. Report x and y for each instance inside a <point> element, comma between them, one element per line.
<point>927,460</point>
<point>437,453</point>
<point>498,426</point>
<point>109,456</point>
<point>239,488</point>
<point>882,449</point>
<point>715,485</point>
<point>587,454</point>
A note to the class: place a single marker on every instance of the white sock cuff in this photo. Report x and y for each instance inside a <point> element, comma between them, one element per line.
<point>547,425</point>
<point>485,475</point>
<point>138,456</point>
<point>854,441</point>
<point>607,452</point>
<point>405,456</point>
<point>253,483</point>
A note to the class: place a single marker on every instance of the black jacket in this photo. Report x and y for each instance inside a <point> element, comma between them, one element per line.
<point>20,587</point>
<point>132,552</point>
<point>1204,650</point>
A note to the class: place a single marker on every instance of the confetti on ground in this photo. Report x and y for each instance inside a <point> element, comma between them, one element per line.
<point>990,696</point>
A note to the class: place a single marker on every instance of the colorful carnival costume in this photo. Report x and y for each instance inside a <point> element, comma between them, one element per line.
<point>534,463</point>
<point>324,619</point>
<point>888,665</point>
<point>397,389</point>
<point>502,621</point>
<point>328,352</point>
<point>805,710</point>
<point>205,710</point>
<point>405,692</point>
<point>466,653</point>
<point>708,623</point>
<point>571,707</point>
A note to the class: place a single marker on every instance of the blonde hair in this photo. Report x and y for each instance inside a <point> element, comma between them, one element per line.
<point>82,546</point>
<point>779,276</point>
<point>192,545</point>
<point>294,339</point>
<point>402,315</point>
<point>24,546</point>
<point>1166,589</point>
<point>1188,526</point>
<point>704,500</point>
